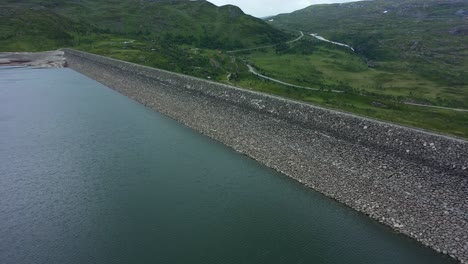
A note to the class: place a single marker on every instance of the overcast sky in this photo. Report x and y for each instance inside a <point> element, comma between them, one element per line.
<point>263,8</point>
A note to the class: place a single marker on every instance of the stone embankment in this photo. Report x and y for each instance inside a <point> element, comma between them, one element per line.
<point>46,59</point>
<point>413,181</point>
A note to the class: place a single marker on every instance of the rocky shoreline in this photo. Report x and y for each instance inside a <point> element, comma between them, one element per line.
<point>46,59</point>
<point>414,181</point>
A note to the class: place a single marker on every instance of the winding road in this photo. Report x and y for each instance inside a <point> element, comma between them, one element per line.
<point>254,72</point>
<point>268,46</point>
<point>295,40</point>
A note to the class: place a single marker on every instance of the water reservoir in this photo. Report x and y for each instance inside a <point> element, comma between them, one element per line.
<point>90,176</point>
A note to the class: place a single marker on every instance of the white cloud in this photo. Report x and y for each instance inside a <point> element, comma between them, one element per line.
<point>263,8</point>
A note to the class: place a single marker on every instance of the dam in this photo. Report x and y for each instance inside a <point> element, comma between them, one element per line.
<point>96,177</point>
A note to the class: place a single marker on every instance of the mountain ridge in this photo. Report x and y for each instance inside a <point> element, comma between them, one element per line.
<point>198,23</point>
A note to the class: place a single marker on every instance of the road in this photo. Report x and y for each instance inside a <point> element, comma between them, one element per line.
<point>253,71</point>
<point>438,107</point>
<point>407,103</point>
<point>268,46</point>
<point>295,40</point>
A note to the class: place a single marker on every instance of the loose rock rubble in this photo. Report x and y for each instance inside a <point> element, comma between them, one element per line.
<point>413,181</point>
<point>47,59</point>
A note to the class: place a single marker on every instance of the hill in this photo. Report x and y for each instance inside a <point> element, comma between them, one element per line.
<point>403,61</point>
<point>36,29</point>
<point>184,36</point>
<point>197,23</point>
<point>404,51</point>
<point>430,37</point>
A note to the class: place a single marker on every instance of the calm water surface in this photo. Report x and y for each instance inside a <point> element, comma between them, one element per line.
<point>90,176</point>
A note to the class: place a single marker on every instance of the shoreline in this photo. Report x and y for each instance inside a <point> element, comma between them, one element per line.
<point>410,180</point>
<point>46,59</point>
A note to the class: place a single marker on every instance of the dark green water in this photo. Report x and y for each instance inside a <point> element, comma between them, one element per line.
<point>90,176</point>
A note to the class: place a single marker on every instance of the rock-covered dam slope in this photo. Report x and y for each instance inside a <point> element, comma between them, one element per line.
<point>414,181</point>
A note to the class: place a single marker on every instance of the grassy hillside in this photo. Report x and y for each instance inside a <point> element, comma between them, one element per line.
<point>427,39</point>
<point>197,23</point>
<point>389,29</point>
<point>405,51</point>
<point>315,64</point>
<point>37,29</point>
<point>397,60</point>
<point>178,35</point>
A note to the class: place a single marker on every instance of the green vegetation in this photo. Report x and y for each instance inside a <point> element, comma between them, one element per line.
<point>325,66</point>
<point>445,121</point>
<point>419,47</point>
<point>197,23</point>
<point>416,52</point>
<point>367,91</point>
<point>204,63</point>
<point>25,29</point>
<point>178,35</point>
